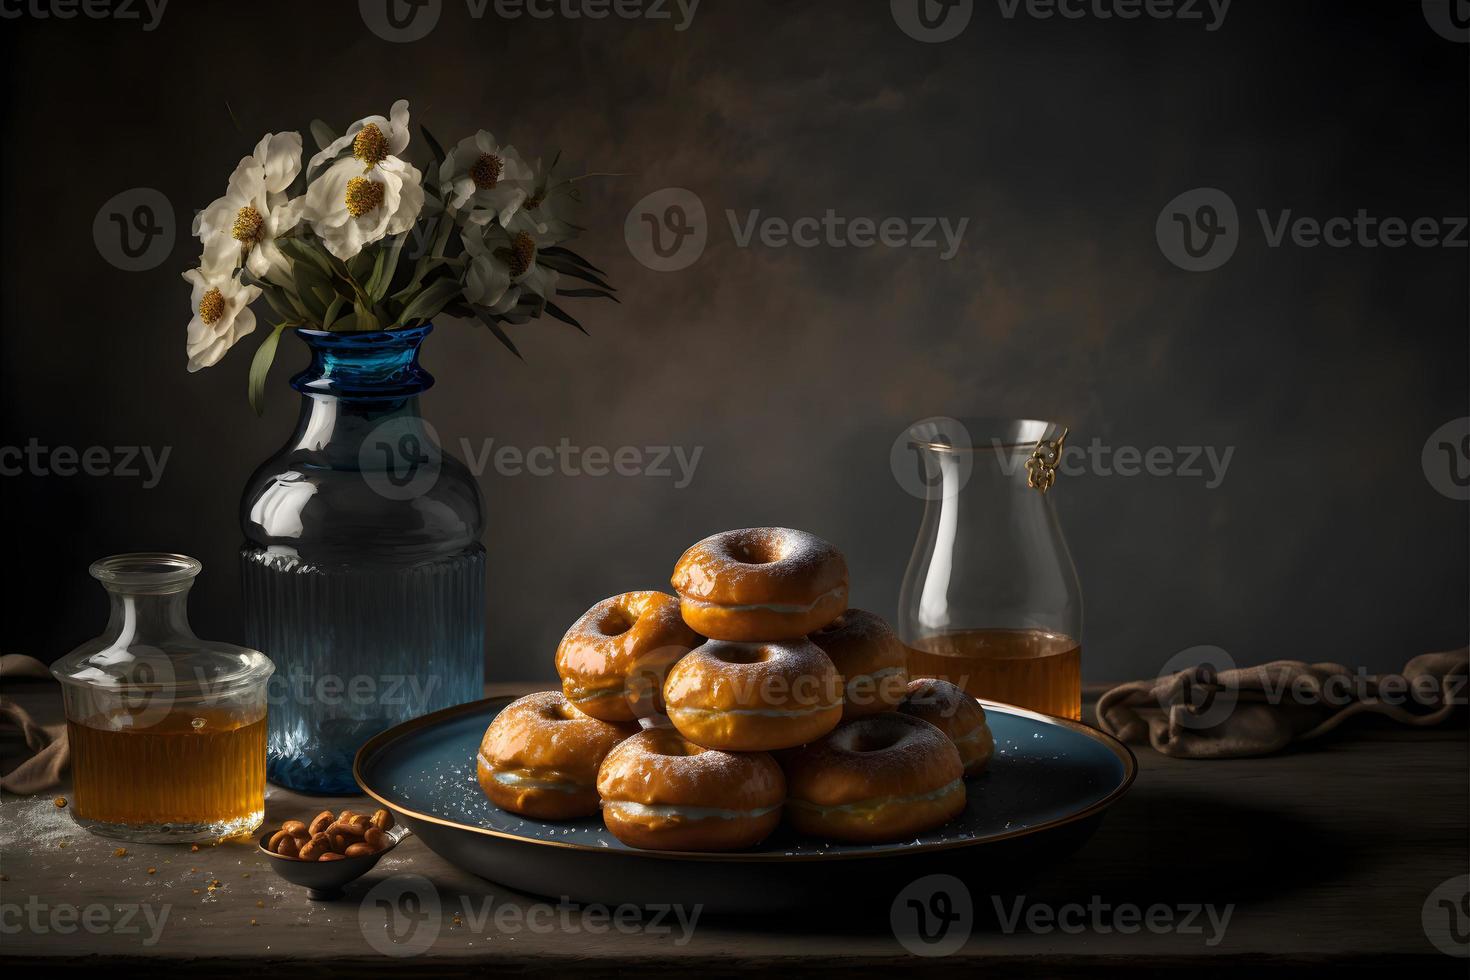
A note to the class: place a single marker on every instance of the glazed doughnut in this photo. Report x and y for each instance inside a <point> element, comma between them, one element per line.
<point>956,714</point>
<point>760,583</point>
<point>614,659</point>
<point>881,778</point>
<point>540,755</point>
<point>754,697</point>
<point>872,661</point>
<point>661,791</point>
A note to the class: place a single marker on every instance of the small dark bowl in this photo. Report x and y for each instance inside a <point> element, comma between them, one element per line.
<point>325,880</point>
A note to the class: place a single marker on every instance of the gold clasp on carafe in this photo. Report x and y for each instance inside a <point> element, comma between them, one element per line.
<point>1041,468</point>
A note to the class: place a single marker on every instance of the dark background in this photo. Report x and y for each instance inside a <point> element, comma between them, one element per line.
<point>1327,369</point>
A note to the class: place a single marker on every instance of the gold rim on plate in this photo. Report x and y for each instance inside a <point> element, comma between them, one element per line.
<point>1120,751</point>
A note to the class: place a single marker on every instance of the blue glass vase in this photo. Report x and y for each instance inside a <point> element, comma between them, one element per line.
<point>363,571</point>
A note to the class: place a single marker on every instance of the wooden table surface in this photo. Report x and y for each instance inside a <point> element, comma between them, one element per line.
<point>1324,857</point>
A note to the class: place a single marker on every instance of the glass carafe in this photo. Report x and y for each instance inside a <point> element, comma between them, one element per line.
<point>167,731</point>
<point>990,600</point>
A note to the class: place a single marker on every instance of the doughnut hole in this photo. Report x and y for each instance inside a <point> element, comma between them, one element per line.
<point>615,621</point>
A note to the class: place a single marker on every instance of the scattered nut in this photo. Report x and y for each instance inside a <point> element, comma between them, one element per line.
<point>153,871</point>
<point>60,802</point>
<point>194,848</point>
<point>254,923</point>
<point>121,852</point>
<point>259,904</point>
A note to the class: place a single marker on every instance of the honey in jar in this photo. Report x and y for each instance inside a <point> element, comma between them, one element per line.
<point>167,731</point>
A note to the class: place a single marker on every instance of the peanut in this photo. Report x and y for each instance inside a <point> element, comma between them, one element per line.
<point>353,830</point>
<point>383,820</point>
<point>359,850</point>
<point>375,839</point>
<point>321,822</point>
<point>288,847</point>
<point>275,841</point>
<point>340,842</point>
<point>316,847</point>
<point>330,856</point>
<point>295,828</point>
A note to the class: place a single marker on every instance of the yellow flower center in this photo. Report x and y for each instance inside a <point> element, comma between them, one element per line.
<point>486,171</point>
<point>363,195</point>
<point>212,307</point>
<point>522,254</point>
<point>370,145</point>
<point>248,224</point>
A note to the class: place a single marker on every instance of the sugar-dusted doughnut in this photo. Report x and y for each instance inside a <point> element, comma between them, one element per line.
<point>956,714</point>
<point>754,697</point>
<point>881,778</point>
<point>540,756</point>
<point>614,659</point>
<point>760,583</point>
<point>871,659</point>
<point>661,791</point>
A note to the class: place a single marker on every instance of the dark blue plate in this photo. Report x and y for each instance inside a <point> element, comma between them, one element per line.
<point>1043,794</point>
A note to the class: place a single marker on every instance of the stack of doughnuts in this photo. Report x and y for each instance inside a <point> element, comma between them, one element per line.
<point>700,722</point>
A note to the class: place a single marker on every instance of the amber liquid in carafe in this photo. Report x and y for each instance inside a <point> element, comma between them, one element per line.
<point>189,767</point>
<point>1029,668</point>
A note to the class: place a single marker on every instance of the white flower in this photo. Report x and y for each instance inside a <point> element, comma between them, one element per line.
<point>349,208</point>
<point>222,315</point>
<point>487,276</point>
<point>373,139</point>
<point>486,176</point>
<point>244,225</point>
<point>279,157</point>
<point>369,195</point>
<point>545,209</point>
<point>503,266</point>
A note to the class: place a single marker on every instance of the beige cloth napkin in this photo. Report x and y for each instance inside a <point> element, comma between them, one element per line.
<point>1200,714</point>
<point>42,769</point>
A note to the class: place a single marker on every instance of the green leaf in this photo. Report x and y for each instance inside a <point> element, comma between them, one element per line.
<point>313,288</point>
<point>322,133</point>
<point>303,250</point>
<point>260,366</point>
<point>384,267</point>
<point>427,304</point>
<point>439,155</point>
<point>360,266</point>
<point>556,312</point>
<point>366,320</point>
<point>333,309</point>
<point>561,252</point>
<point>588,294</point>
<point>576,272</point>
<point>490,320</point>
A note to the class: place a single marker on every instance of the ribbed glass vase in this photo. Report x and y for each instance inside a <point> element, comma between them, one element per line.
<point>363,571</point>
